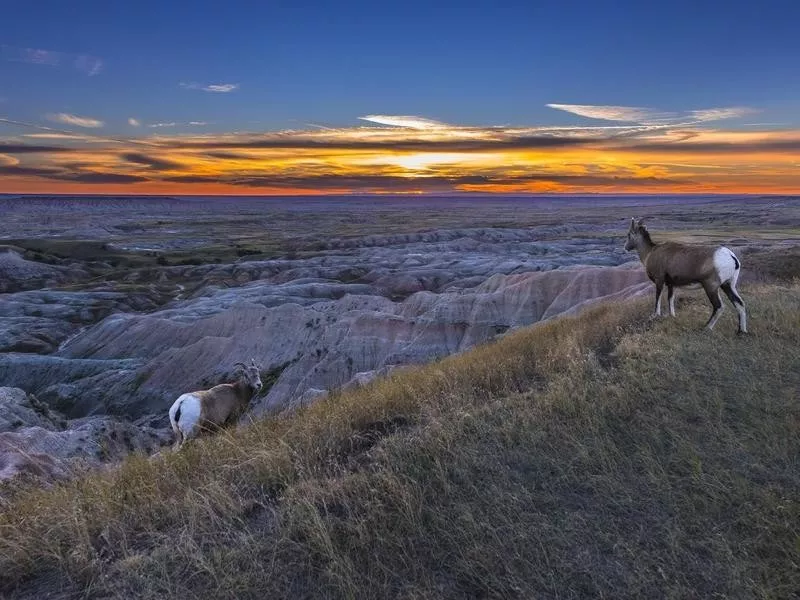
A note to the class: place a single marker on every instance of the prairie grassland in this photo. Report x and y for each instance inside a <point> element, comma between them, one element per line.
<point>602,455</point>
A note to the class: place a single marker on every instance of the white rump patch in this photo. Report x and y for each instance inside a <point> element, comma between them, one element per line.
<point>190,413</point>
<point>725,264</point>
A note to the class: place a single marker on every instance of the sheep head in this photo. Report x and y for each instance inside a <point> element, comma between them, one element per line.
<point>636,233</point>
<point>250,375</point>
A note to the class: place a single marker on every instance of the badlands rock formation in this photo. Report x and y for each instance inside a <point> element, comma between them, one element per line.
<point>38,321</point>
<point>360,306</point>
<point>18,273</point>
<point>35,440</point>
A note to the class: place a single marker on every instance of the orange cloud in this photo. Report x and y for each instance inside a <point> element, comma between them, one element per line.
<point>416,155</point>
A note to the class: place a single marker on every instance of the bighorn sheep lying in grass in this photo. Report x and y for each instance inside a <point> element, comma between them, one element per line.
<point>207,410</point>
<point>677,265</point>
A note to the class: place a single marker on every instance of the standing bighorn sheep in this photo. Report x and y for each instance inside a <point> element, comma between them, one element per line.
<point>677,265</point>
<point>207,410</point>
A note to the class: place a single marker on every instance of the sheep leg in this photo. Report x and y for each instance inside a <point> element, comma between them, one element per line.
<point>659,293</point>
<point>738,304</point>
<point>671,299</point>
<point>713,297</point>
<point>176,428</point>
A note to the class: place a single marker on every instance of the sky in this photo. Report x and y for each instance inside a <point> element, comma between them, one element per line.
<point>409,97</point>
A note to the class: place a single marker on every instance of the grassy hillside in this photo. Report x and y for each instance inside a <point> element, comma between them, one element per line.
<point>604,455</point>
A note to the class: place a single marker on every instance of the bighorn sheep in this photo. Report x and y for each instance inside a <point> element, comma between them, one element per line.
<point>677,265</point>
<point>205,410</point>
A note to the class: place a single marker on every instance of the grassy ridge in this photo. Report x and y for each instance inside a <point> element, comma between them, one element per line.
<point>600,455</point>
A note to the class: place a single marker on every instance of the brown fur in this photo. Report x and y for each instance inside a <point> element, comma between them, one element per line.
<point>677,265</point>
<point>680,264</point>
<point>223,404</point>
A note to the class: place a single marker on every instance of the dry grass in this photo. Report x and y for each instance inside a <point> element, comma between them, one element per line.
<point>772,264</point>
<point>595,456</point>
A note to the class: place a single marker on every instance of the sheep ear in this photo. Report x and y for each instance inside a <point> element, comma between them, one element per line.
<point>633,224</point>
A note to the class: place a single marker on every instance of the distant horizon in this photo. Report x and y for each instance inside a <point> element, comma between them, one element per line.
<point>410,196</point>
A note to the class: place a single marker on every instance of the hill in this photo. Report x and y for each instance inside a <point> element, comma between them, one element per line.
<point>600,455</point>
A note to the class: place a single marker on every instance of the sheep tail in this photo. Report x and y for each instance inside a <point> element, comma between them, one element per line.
<point>176,420</point>
<point>176,428</point>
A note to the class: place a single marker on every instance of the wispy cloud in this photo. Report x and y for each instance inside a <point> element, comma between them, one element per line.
<point>85,63</point>
<point>8,161</point>
<point>134,122</point>
<point>85,137</point>
<point>716,114</point>
<point>91,65</point>
<point>178,124</point>
<point>648,116</point>
<point>410,122</point>
<point>74,120</point>
<point>55,135</point>
<point>33,56</point>
<point>220,88</point>
<point>630,114</point>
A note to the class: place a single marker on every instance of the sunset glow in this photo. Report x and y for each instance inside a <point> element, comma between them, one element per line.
<point>395,157</point>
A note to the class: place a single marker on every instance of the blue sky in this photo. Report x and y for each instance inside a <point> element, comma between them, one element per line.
<point>472,62</point>
<point>117,77</point>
